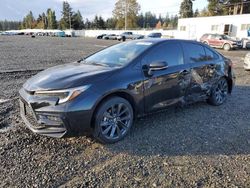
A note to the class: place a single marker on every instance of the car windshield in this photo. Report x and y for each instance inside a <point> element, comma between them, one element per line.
<point>118,55</point>
<point>225,37</point>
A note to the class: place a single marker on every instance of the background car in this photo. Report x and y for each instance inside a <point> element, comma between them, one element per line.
<point>138,36</point>
<point>248,45</point>
<point>104,92</point>
<point>221,41</point>
<point>247,62</point>
<point>129,35</point>
<point>101,36</point>
<point>110,37</point>
<point>154,35</point>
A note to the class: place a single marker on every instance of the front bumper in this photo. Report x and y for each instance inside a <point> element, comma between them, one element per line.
<point>236,46</point>
<point>46,127</point>
<point>44,117</point>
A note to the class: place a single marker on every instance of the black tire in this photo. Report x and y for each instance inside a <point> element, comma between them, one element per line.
<point>227,47</point>
<point>219,92</point>
<point>113,120</point>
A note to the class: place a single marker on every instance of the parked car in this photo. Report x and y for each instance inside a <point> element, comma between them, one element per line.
<point>110,37</point>
<point>154,35</point>
<point>104,92</point>
<point>248,45</point>
<point>101,36</point>
<point>69,33</point>
<point>129,35</point>
<point>247,62</point>
<point>221,41</point>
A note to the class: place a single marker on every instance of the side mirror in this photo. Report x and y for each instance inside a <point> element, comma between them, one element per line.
<point>154,66</point>
<point>158,65</point>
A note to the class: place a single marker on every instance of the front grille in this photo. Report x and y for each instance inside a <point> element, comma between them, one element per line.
<point>29,114</point>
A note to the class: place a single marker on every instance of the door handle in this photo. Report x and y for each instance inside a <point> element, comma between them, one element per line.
<point>213,66</point>
<point>184,72</point>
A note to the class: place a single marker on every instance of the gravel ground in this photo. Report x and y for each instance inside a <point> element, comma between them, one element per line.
<point>197,146</point>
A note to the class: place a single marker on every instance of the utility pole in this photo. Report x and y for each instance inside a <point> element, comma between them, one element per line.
<point>69,21</point>
<point>126,13</point>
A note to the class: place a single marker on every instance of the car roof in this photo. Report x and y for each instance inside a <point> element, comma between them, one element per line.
<point>160,40</point>
<point>213,34</point>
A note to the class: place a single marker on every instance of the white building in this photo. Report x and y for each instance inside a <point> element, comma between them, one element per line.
<point>233,25</point>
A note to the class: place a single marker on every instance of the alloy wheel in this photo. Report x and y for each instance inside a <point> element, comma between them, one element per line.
<point>115,121</point>
<point>221,91</point>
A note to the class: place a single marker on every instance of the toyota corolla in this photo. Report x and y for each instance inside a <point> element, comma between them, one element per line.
<point>103,93</point>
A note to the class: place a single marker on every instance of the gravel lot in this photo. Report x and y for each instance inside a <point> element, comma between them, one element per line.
<point>197,146</point>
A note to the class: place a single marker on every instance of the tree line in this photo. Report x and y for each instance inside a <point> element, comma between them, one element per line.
<point>126,14</point>
<point>9,25</point>
<point>215,8</point>
<point>74,20</point>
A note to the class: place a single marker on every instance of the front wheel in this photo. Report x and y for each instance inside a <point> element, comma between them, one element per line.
<point>205,42</point>
<point>113,120</point>
<point>219,92</point>
<point>227,47</point>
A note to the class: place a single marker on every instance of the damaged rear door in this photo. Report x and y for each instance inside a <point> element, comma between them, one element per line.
<point>195,56</point>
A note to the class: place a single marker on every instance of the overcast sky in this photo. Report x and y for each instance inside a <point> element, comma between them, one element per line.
<point>17,9</point>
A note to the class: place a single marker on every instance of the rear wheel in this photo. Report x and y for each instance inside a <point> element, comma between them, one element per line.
<point>113,120</point>
<point>227,47</point>
<point>219,92</point>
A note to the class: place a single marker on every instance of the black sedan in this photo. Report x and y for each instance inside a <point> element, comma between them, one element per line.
<point>101,36</point>
<point>103,93</point>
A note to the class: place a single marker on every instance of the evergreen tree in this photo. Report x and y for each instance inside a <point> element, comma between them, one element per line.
<point>51,19</point>
<point>101,23</point>
<point>66,20</point>
<point>150,20</point>
<point>110,23</point>
<point>141,21</point>
<point>87,24</point>
<point>40,22</point>
<point>9,25</point>
<point>186,9</point>
<point>77,22</point>
<point>196,13</point>
<point>215,8</point>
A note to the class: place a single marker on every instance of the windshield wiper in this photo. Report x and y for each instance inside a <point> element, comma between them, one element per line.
<point>99,64</point>
<point>92,62</point>
<point>80,60</point>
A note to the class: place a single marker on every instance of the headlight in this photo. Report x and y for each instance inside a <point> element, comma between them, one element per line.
<point>64,95</point>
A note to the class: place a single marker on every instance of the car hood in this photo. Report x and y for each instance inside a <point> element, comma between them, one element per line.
<point>67,76</point>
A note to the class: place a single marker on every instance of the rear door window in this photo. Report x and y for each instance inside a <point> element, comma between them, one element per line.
<point>194,52</point>
<point>210,55</point>
<point>212,36</point>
